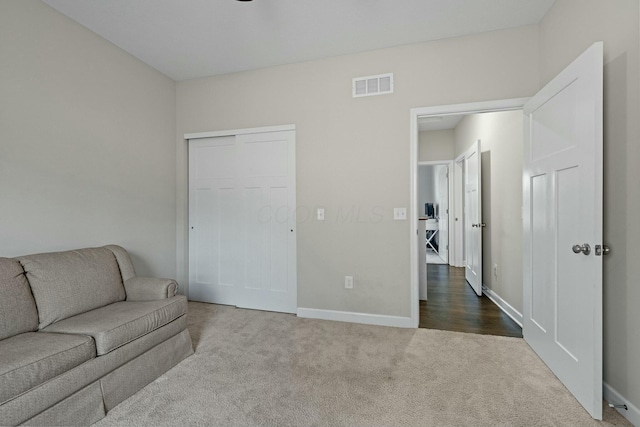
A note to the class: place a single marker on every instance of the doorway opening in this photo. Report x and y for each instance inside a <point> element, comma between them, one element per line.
<point>445,136</point>
<point>561,203</point>
<point>434,192</point>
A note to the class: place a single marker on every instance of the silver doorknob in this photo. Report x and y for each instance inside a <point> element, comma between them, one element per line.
<point>585,249</point>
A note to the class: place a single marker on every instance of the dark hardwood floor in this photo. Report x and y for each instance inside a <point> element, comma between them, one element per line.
<point>453,306</point>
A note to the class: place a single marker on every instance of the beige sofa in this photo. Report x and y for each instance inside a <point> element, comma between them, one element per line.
<point>80,333</point>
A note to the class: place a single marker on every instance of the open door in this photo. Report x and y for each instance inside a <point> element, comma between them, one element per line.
<point>562,219</point>
<point>473,224</point>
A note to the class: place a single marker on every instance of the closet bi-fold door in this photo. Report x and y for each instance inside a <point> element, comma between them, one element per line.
<point>242,220</point>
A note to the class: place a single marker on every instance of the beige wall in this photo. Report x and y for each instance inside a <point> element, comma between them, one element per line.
<point>436,145</point>
<point>501,146</point>
<point>87,154</point>
<point>568,29</point>
<point>87,157</point>
<point>353,154</point>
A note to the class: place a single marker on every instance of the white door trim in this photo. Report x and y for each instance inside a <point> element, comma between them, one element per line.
<point>414,114</point>
<point>216,133</point>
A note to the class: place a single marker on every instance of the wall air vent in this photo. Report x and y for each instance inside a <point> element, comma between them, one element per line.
<point>372,85</point>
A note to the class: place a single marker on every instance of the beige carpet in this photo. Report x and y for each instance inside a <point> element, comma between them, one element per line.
<point>254,368</point>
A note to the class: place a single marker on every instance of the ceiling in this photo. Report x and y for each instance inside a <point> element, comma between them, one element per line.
<point>186,39</point>
<point>431,123</point>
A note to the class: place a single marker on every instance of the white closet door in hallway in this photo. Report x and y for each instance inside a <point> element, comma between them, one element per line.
<point>242,240</point>
<point>473,217</point>
<point>442,200</point>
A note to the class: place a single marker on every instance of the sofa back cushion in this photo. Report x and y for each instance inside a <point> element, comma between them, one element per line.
<point>68,283</point>
<point>18,312</point>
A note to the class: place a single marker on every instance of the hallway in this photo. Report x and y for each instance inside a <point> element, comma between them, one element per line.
<point>453,306</point>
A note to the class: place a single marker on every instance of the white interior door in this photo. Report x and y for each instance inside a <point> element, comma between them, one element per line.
<point>458,211</point>
<point>242,242</point>
<point>473,217</point>
<point>268,280</point>
<point>213,204</point>
<point>442,200</point>
<point>562,189</point>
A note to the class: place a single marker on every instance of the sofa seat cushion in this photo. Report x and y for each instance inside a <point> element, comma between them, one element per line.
<point>30,359</point>
<point>117,324</point>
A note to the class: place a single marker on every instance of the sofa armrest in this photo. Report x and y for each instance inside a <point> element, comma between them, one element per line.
<point>149,288</point>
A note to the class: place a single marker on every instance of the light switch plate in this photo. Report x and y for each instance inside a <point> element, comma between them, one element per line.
<point>400,214</point>
<point>320,214</point>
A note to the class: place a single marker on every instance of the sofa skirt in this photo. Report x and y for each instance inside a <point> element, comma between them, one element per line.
<point>82,408</point>
<point>134,375</point>
<point>46,396</point>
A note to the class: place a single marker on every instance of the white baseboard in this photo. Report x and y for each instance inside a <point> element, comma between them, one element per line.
<point>504,306</point>
<point>351,317</point>
<point>632,413</point>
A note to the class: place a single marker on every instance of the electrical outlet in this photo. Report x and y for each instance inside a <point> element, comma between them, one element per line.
<point>348,282</point>
<point>400,214</point>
